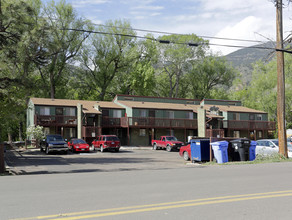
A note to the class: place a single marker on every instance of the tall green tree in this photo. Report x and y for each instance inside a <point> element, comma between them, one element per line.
<point>175,59</point>
<point>261,94</point>
<point>139,77</point>
<point>208,76</point>
<point>61,43</point>
<point>106,58</point>
<point>17,58</point>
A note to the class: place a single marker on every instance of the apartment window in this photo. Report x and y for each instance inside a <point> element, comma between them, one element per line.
<point>46,130</point>
<point>190,115</point>
<point>142,132</point>
<point>236,116</point>
<point>236,134</point>
<point>259,117</point>
<point>105,112</point>
<point>45,111</point>
<point>117,113</point>
<point>70,112</point>
<point>260,134</point>
<point>171,132</point>
<point>170,114</point>
<point>251,116</point>
<point>142,113</point>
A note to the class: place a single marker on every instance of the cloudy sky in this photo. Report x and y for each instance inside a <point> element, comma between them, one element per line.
<point>237,19</point>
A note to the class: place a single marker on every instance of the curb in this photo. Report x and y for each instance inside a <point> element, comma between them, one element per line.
<point>135,148</point>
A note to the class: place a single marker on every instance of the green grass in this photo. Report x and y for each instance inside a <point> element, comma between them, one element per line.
<point>275,158</point>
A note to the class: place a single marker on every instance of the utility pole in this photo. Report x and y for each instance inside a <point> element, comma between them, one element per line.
<point>281,82</point>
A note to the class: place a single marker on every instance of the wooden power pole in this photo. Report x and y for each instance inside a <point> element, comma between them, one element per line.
<point>281,82</point>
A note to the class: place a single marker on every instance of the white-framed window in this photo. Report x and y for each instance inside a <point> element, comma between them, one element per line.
<point>117,113</point>
<point>260,134</point>
<point>190,115</point>
<point>142,113</point>
<point>70,112</point>
<point>259,117</point>
<point>45,111</point>
<point>170,114</point>
<point>142,132</point>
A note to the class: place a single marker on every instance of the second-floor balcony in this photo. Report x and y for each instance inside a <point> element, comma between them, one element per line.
<point>249,125</point>
<point>110,122</point>
<point>55,120</point>
<point>159,122</point>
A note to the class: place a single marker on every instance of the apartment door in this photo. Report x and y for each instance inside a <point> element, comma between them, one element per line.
<point>152,118</point>
<point>59,115</point>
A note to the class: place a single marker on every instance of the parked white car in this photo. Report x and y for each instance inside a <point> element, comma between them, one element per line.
<point>289,146</point>
<point>267,147</point>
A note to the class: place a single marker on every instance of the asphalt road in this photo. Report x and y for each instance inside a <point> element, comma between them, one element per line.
<point>170,191</point>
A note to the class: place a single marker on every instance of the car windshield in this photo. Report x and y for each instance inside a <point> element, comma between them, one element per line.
<point>171,138</point>
<point>276,142</point>
<point>55,138</point>
<point>112,138</point>
<point>79,141</point>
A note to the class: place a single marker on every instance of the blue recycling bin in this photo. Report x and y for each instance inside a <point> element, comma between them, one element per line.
<point>220,151</point>
<point>200,150</point>
<point>252,150</point>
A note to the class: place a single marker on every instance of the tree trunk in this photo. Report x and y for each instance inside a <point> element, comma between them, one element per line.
<point>52,93</point>
<point>20,131</point>
<point>9,137</point>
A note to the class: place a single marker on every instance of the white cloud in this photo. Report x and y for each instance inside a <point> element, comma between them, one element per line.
<point>147,7</point>
<point>245,29</point>
<point>85,3</point>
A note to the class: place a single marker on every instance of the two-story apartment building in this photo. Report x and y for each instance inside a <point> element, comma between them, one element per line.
<point>138,119</point>
<point>60,116</point>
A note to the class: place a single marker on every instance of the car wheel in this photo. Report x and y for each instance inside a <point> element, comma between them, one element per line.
<point>93,148</point>
<point>168,148</point>
<point>65,152</point>
<point>41,149</point>
<point>154,146</point>
<point>101,149</point>
<point>186,156</point>
<point>117,150</point>
<point>47,150</point>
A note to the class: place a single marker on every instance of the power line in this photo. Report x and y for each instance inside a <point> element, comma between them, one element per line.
<point>163,32</point>
<point>173,42</point>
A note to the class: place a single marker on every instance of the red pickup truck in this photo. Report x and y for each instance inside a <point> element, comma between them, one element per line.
<point>167,142</point>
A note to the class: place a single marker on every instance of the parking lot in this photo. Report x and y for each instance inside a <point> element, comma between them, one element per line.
<point>32,161</point>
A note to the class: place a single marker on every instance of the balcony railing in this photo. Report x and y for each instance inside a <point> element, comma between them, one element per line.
<point>55,120</point>
<point>249,125</point>
<point>218,133</point>
<point>110,122</point>
<point>159,122</point>
<point>90,131</point>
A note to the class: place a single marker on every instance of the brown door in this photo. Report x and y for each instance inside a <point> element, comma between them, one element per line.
<point>152,118</point>
<point>59,115</point>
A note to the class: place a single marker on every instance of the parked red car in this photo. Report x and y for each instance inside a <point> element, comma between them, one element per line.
<point>107,142</point>
<point>78,145</point>
<point>185,152</point>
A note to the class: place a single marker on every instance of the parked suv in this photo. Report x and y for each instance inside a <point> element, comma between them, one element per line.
<point>106,142</point>
<point>54,142</point>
